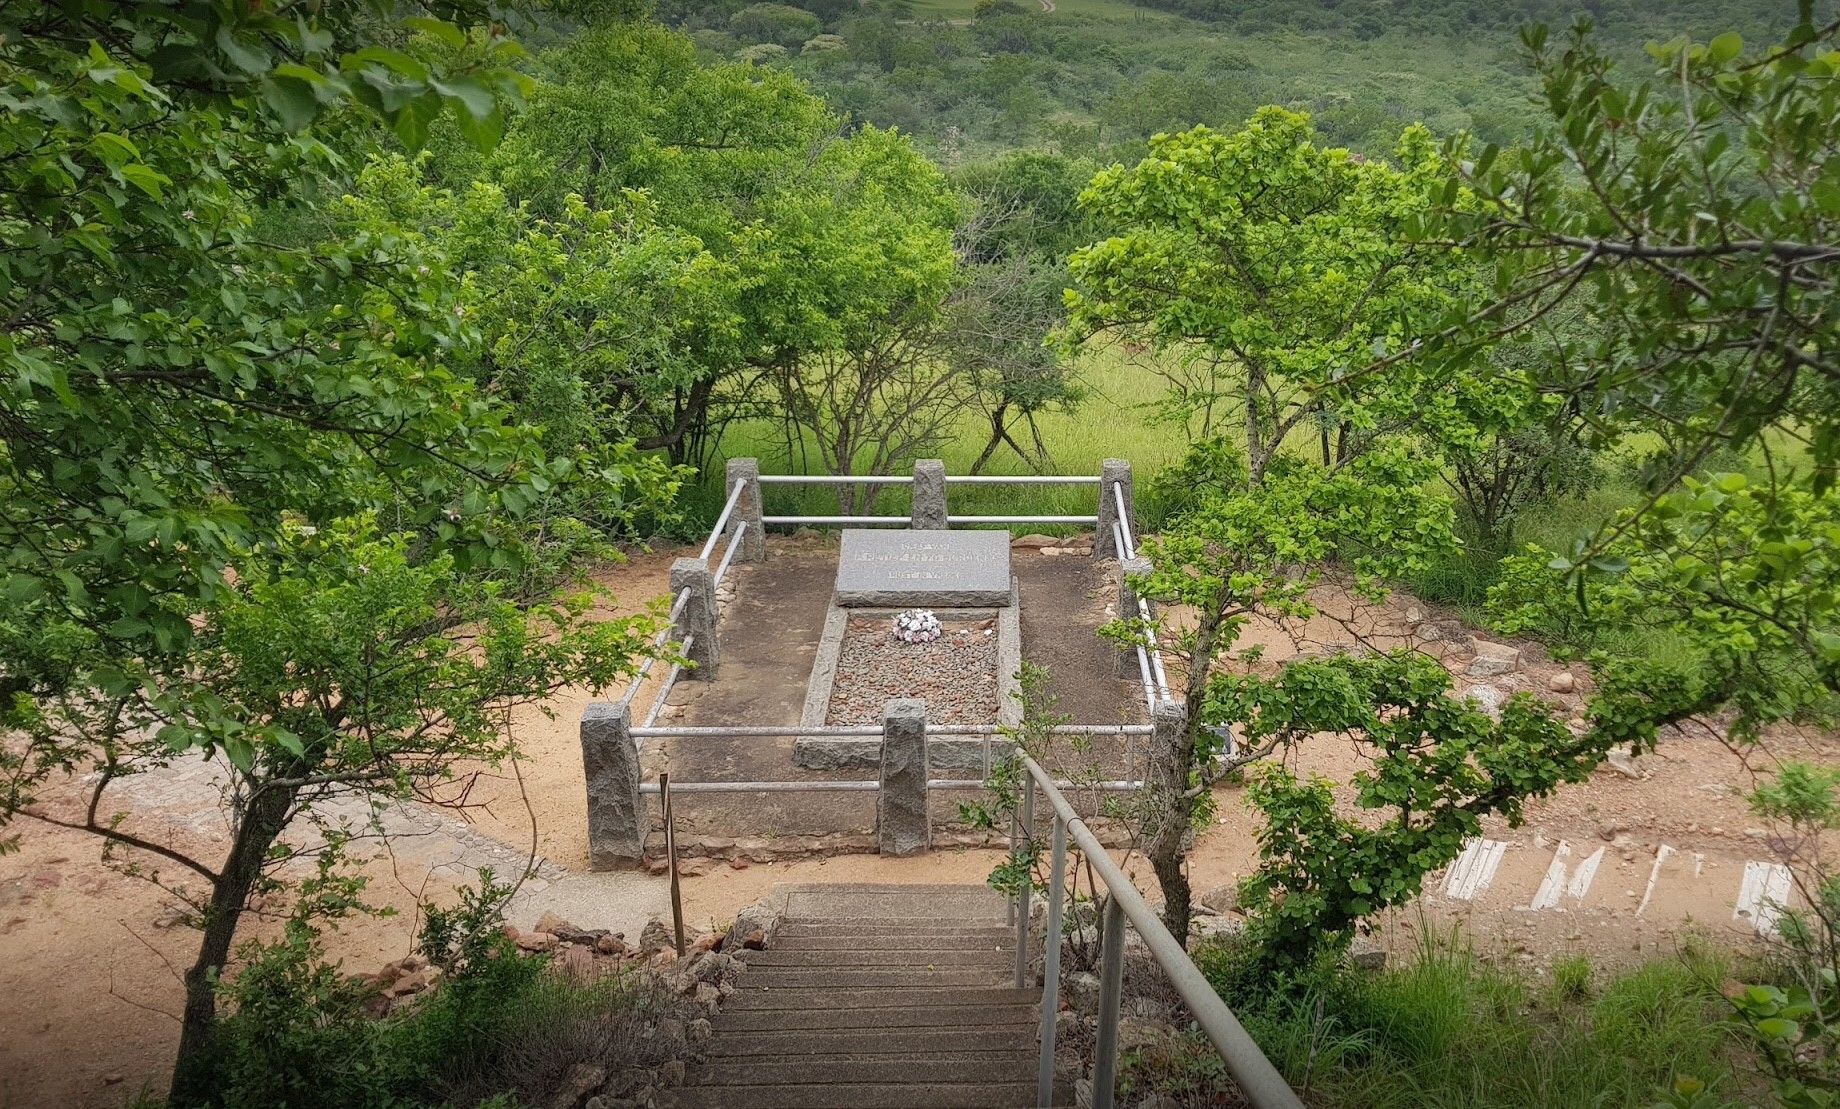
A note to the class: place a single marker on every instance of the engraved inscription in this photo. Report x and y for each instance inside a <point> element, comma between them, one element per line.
<point>919,567</point>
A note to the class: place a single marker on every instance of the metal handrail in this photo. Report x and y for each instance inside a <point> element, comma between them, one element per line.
<point>658,642</point>
<point>1023,479</point>
<point>728,556</point>
<point>1152,666</point>
<point>1075,519</point>
<point>836,479</point>
<point>715,533</point>
<point>840,521</point>
<point>1258,1080</point>
<point>861,731</point>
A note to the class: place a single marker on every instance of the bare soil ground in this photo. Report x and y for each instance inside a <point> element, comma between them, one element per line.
<point>89,956</point>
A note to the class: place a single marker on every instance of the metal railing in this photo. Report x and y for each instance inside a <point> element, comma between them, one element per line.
<point>1150,662</point>
<point>908,479</point>
<point>1149,657</point>
<point>1259,1081</point>
<point>990,733</point>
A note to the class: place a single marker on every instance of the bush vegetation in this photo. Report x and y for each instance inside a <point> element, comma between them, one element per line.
<point>1451,1029</point>
<point>501,1028</point>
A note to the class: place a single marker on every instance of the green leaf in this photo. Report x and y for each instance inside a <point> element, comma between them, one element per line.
<point>241,753</point>
<point>438,29</point>
<point>244,56</point>
<point>146,179</point>
<point>293,101</point>
<point>477,100</point>
<point>1725,47</point>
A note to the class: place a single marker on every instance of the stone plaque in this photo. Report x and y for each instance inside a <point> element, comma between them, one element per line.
<point>942,569</point>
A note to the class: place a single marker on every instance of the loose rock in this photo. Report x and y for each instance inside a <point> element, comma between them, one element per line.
<point>581,1080</point>
<point>1222,899</point>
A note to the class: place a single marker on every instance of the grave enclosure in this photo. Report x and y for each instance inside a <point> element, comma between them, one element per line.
<point>903,714</point>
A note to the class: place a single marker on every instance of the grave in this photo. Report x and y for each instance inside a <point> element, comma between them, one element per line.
<point>923,569</point>
<point>964,578</point>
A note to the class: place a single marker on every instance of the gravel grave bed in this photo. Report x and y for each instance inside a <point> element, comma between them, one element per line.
<point>956,674</point>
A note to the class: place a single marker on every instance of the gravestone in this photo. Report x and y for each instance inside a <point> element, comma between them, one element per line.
<point>927,568</point>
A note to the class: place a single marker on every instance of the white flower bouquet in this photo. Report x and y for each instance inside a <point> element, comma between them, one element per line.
<point>916,625</point>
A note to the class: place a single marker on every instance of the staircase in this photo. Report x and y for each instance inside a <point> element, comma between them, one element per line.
<point>876,997</point>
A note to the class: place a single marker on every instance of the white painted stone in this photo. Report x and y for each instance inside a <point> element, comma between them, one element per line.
<point>1762,896</point>
<point>1584,876</point>
<point>1553,884</point>
<point>1469,877</point>
<point>1654,874</point>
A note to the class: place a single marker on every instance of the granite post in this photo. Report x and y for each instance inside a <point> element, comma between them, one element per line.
<point>1128,609</point>
<point>746,471</point>
<point>929,510</point>
<point>616,836</point>
<point>699,616</point>
<point>902,825</point>
<point>1114,473</point>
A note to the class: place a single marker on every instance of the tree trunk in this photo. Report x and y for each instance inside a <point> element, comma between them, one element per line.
<point>1258,455</point>
<point>996,437</point>
<point>262,823</point>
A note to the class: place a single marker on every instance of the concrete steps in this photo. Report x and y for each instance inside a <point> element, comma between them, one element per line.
<point>876,997</point>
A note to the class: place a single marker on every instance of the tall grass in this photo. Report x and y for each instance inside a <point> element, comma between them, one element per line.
<point>1450,1030</point>
<point>1113,422</point>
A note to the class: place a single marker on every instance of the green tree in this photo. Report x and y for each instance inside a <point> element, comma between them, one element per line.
<point>184,404</point>
<point>1272,267</point>
<point>1241,550</point>
<point>1701,244</point>
<point>779,24</point>
<point>586,321</point>
<point>861,252</point>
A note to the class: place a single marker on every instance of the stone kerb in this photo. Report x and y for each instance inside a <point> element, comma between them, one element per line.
<point>903,826</point>
<point>748,509</point>
<point>610,762</point>
<point>929,501</point>
<point>818,752</point>
<point>1115,473</point>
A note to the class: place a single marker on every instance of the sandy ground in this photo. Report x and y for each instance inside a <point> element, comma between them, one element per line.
<point>89,958</point>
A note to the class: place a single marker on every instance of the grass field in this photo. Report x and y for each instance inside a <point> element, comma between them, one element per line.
<point>1113,422</point>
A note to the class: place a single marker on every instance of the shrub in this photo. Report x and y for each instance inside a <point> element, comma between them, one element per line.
<point>500,1031</point>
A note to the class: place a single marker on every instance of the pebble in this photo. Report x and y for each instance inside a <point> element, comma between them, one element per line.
<point>955,674</point>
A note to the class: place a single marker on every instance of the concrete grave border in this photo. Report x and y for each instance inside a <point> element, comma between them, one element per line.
<point>943,752</point>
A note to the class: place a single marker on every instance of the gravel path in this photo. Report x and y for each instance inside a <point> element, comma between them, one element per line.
<point>956,674</point>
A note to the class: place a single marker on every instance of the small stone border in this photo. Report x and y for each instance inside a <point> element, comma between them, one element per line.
<point>865,752</point>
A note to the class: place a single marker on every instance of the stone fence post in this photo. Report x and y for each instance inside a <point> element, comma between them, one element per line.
<point>1115,473</point>
<point>699,615</point>
<point>616,834</point>
<point>929,505</point>
<point>903,825</point>
<point>746,471</point>
<point>1128,609</point>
